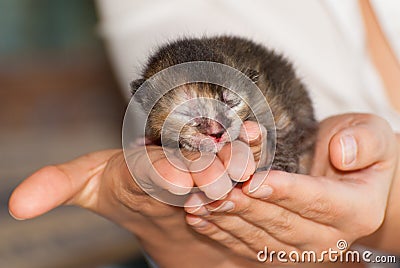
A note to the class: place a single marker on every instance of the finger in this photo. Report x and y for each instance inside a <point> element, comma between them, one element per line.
<point>248,233</point>
<point>238,160</point>
<point>255,136</point>
<point>212,231</point>
<point>195,204</point>
<point>53,186</point>
<point>210,175</point>
<point>362,144</point>
<point>278,223</point>
<point>247,242</point>
<point>153,170</point>
<point>141,141</point>
<point>320,199</point>
<point>251,133</point>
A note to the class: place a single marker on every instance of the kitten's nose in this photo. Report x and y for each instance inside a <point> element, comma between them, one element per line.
<point>215,129</point>
<point>217,135</point>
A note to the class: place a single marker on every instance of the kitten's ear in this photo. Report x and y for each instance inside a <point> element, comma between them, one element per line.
<point>252,74</point>
<point>135,84</point>
<point>139,96</point>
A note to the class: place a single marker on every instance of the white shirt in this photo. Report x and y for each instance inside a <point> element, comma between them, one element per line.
<point>324,39</point>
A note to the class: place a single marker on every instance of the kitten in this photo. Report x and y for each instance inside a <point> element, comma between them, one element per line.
<point>218,112</point>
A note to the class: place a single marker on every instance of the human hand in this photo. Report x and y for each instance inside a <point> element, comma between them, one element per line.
<point>82,180</point>
<point>344,198</point>
<point>101,182</point>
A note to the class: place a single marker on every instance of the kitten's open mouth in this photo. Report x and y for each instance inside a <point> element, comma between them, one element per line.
<point>206,144</point>
<point>216,139</point>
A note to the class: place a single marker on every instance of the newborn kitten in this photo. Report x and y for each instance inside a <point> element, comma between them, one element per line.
<point>220,123</point>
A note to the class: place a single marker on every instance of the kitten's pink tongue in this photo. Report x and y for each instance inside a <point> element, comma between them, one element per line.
<point>216,139</point>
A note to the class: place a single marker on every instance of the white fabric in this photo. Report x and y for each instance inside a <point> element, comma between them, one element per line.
<point>325,40</point>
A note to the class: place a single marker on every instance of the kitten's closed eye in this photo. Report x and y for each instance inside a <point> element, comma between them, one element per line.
<point>231,99</point>
<point>232,103</point>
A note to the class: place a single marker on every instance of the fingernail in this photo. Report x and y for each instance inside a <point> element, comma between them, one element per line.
<point>263,192</point>
<point>257,181</point>
<point>251,133</point>
<point>224,207</point>
<point>349,149</point>
<point>12,215</point>
<point>246,179</point>
<point>198,223</point>
<point>179,190</point>
<point>223,197</point>
<point>199,211</point>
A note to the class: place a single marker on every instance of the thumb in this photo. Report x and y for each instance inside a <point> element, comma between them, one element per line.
<point>53,186</point>
<point>363,144</point>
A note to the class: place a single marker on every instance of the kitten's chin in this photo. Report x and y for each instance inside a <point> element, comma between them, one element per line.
<point>205,145</point>
<point>210,146</point>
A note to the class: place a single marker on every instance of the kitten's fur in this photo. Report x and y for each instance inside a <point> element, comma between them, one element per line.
<point>272,73</point>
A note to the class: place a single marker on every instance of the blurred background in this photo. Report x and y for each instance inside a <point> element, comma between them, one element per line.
<point>58,100</point>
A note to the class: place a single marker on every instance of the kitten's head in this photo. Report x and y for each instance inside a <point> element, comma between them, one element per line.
<point>196,116</point>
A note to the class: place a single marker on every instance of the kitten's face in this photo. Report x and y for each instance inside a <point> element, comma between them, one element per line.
<point>200,117</point>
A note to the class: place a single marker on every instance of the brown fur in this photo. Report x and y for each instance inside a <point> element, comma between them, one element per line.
<point>273,74</point>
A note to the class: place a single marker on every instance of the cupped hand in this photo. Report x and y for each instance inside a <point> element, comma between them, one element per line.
<point>102,182</point>
<point>86,181</point>
<point>343,199</point>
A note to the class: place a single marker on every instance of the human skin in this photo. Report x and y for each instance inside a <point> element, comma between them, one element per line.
<point>339,201</point>
<point>102,183</point>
